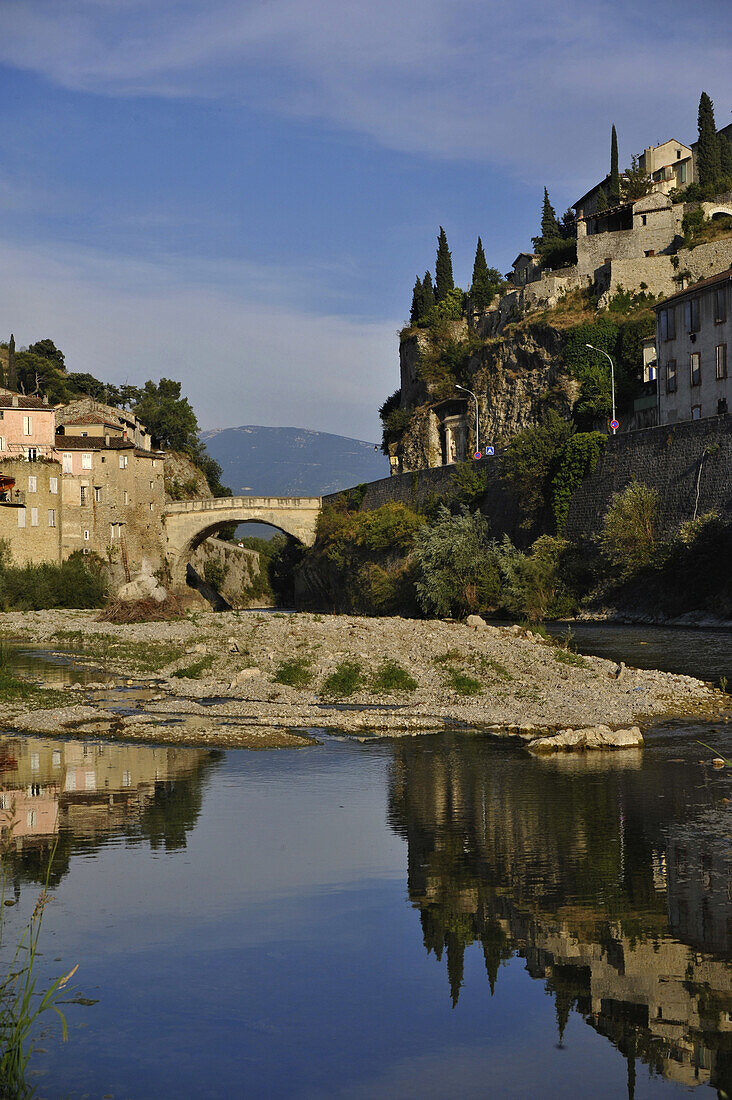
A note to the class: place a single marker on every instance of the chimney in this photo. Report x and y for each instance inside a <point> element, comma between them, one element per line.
<point>45,399</point>
<point>15,400</point>
<point>106,441</point>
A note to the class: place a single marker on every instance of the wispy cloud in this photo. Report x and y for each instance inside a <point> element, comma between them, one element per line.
<point>241,358</point>
<point>520,83</point>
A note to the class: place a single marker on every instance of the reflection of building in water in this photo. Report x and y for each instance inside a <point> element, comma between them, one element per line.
<point>568,867</point>
<point>81,791</point>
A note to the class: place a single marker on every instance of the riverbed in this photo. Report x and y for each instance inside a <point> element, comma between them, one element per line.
<point>420,917</point>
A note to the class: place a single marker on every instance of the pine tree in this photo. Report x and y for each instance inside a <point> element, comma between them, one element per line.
<point>568,224</point>
<point>444,281</point>
<point>601,201</point>
<point>550,230</point>
<point>725,155</point>
<point>614,195</point>
<point>708,147</point>
<point>415,314</point>
<point>428,296</point>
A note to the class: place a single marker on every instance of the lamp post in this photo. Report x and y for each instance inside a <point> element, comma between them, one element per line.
<point>612,375</point>
<point>466,390</point>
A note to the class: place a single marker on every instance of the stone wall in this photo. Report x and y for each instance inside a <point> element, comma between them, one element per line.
<point>32,528</point>
<point>667,458</point>
<point>240,566</point>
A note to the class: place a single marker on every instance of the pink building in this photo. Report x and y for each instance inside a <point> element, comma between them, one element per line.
<point>27,426</point>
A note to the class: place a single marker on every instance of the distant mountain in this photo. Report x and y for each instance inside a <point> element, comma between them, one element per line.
<point>292,461</point>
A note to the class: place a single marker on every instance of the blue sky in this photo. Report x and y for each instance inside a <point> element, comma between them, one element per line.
<point>240,194</point>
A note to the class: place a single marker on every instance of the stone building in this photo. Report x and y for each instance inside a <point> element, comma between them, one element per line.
<point>113,496</point>
<point>31,509</point>
<point>693,335</point>
<point>27,426</point>
<point>90,417</point>
<point>669,165</point>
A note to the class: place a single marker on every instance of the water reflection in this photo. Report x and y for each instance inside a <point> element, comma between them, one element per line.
<point>613,882</point>
<point>77,794</point>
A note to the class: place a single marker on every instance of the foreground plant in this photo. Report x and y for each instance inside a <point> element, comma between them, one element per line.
<point>21,1003</point>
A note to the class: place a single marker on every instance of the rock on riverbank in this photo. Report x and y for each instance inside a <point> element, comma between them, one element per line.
<point>223,675</point>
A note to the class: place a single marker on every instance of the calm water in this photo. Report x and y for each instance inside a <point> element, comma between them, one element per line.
<point>423,917</point>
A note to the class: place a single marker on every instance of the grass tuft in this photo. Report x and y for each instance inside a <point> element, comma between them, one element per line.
<point>568,657</point>
<point>346,679</point>
<point>462,683</point>
<point>295,673</point>
<point>391,677</point>
<point>194,671</point>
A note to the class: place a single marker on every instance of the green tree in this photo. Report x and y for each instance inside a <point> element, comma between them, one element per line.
<point>486,280</point>
<point>630,529</point>
<point>568,225</point>
<point>415,313</point>
<point>725,155</point>
<point>708,149</point>
<point>530,461</point>
<point>428,297</point>
<point>456,563</point>
<point>635,183</point>
<point>444,281</point>
<point>168,416</point>
<point>614,194</point>
<point>550,230</point>
<point>531,582</point>
<point>601,203</point>
<point>46,349</point>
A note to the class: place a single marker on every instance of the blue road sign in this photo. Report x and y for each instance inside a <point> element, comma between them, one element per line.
<point>489,451</point>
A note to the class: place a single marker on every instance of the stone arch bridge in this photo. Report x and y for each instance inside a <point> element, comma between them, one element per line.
<point>188,522</point>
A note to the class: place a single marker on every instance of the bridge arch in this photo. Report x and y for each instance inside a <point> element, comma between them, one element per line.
<point>189,522</point>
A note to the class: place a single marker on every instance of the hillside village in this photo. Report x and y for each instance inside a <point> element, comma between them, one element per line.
<point>639,268</point>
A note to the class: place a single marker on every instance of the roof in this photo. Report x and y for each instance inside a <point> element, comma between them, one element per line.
<point>7,401</point>
<point>722,277</point>
<point>529,256</point>
<point>93,418</point>
<point>92,443</point>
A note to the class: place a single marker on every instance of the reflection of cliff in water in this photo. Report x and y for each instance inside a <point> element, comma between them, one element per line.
<point>613,881</point>
<point>77,794</point>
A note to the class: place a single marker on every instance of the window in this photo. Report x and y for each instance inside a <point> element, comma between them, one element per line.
<point>82,494</point>
<point>31,453</point>
<point>21,517</point>
<point>56,758</point>
<point>643,219</point>
<point>2,415</point>
<point>151,506</point>
<point>86,461</point>
<point>125,497</point>
<point>152,484</point>
<point>123,462</point>
<point>84,433</point>
<point>27,425</point>
<point>720,305</point>
<point>97,494</point>
<point>668,324</point>
<point>126,779</point>
<point>671,376</point>
<point>70,784</point>
<point>34,517</point>
<point>678,154</point>
<point>67,462</point>
<point>695,368</point>
<point>30,819</point>
<point>682,176</point>
<point>651,373</point>
<point>90,781</point>
<point>696,412</point>
<point>721,357</point>
<point>2,442</point>
<point>691,315</point>
<point>32,485</point>
<point>86,536</point>
<point>51,517</point>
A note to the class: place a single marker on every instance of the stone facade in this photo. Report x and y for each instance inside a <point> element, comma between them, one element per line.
<point>239,564</point>
<point>694,340</point>
<point>32,516</point>
<point>27,426</point>
<point>85,413</point>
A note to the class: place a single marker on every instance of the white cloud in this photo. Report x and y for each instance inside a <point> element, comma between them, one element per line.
<point>521,84</point>
<point>242,359</point>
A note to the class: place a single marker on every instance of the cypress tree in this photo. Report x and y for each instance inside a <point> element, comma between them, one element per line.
<point>12,373</point>
<point>614,173</point>
<point>415,314</point>
<point>725,155</point>
<point>601,201</point>
<point>444,281</point>
<point>483,286</point>
<point>428,296</point>
<point>708,146</point>
<point>567,224</point>
<point>550,230</point>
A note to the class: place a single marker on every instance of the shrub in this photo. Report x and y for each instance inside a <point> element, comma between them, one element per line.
<point>214,573</point>
<point>456,565</point>
<point>568,657</point>
<point>578,457</point>
<point>463,684</point>
<point>346,679</point>
<point>629,535</point>
<point>195,670</point>
<point>532,581</point>
<point>470,482</point>
<point>530,460</point>
<point>77,582</point>
<point>295,673</point>
<point>391,677</point>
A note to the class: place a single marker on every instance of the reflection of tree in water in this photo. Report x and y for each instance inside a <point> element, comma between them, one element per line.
<point>563,863</point>
<point>77,795</point>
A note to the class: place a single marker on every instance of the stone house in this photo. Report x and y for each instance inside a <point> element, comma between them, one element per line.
<point>669,165</point>
<point>27,426</point>
<point>694,338</point>
<point>87,416</point>
<point>526,268</point>
<point>31,509</point>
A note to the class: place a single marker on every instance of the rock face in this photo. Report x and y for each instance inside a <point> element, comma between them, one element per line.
<point>589,738</point>
<point>143,587</point>
<point>517,378</point>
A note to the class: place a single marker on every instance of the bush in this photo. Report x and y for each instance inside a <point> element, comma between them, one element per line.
<point>530,460</point>
<point>295,673</point>
<point>470,482</point>
<point>532,583</point>
<point>463,684</point>
<point>578,457</point>
<point>347,679</point>
<point>391,677</point>
<point>77,582</point>
<point>456,564</point>
<point>214,573</point>
<point>629,536</point>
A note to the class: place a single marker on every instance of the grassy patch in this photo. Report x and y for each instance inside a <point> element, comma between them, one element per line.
<point>142,656</point>
<point>391,677</point>
<point>567,657</point>
<point>463,684</point>
<point>449,656</point>
<point>15,690</point>
<point>346,679</point>
<point>194,671</point>
<point>295,673</point>
<point>488,664</point>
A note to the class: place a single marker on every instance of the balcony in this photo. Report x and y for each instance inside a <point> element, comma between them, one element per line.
<point>12,498</point>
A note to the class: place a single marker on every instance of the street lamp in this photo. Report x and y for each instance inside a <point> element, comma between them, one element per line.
<point>612,376</point>
<point>466,390</point>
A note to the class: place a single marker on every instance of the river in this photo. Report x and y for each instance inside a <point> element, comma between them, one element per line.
<point>418,917</point>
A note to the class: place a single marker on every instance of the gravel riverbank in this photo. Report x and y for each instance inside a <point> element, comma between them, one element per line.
<point>215,679</point>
